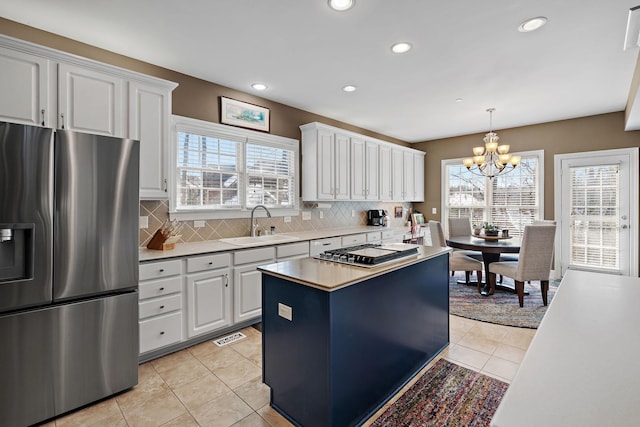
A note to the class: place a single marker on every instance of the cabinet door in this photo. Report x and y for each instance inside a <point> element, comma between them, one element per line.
<point>208,301</point>
<point>342,167</point>
<point>247,292</point>
<point>25,88</point>
<point>326,165</point>
<point>371,170</point>
<point>398,174</point>
<point>409,177</point>
<point>358,169</point>
<point>149,108</point>
<point>385,175</point>
<point>418,172</point>
<point>90,101</point>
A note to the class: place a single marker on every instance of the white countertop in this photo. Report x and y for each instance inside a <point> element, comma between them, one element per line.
<point>208,246</point>
<point>583,365</point>
<point>331,276</point>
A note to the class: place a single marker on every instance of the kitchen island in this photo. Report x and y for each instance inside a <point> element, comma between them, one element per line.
<point>340,340</point>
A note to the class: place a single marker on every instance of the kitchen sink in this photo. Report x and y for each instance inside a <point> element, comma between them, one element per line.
<point>259,240</point>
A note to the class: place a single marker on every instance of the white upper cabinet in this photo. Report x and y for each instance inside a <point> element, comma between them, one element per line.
<point>149,111</point>
<point>385,172</point>
<point>46,87</point>
<point>364,170</point>
<point>325,164</point>
<point>25,88</point>
<point>90,101</point>
<point>369,169</point>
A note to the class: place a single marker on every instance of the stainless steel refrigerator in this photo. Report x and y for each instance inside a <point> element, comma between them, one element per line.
<point>68,270</point>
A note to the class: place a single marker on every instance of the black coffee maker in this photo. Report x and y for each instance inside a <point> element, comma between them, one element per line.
<point>376,216</point>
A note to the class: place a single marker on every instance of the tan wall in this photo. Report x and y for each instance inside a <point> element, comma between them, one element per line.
<point>601,132</point>
<point>193,97</point>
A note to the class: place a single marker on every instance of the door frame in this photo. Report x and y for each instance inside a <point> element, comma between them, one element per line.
<point>634,207</point>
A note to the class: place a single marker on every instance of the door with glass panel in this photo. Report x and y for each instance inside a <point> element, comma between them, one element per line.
<point>598,207</point>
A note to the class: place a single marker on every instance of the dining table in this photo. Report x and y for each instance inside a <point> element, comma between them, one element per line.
<point>491,248</point>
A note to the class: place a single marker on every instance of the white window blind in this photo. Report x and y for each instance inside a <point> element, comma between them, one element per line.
<point>270,176</point>
<point>594,216</point>
<point>509,201</point>
<point>207,170</point>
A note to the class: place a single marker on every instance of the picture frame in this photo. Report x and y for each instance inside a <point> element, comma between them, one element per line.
<point>397,212</point>
<point>244,114</point>
<point>417,218</point>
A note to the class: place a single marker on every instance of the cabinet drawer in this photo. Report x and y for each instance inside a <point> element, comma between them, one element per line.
<point>208,262</point>
<point>388,234</point>
<point>162,305</point>
<point>300,248</point>
<point>160,331</point>
<point>254,255</point>
<point>318,246</point>
<point>157,288</point>
<point>354,239</point>
<point>374,237</point>
<point>155,270</point>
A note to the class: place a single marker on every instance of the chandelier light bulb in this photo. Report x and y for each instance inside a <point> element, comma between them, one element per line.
<point>468,162</point>
<point>503,149</point>
<point>478,151</point>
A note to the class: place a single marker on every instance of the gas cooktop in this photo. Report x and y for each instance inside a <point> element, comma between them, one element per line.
<point>369,255</point>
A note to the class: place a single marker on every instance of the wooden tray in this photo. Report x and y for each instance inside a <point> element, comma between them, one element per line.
<point>491,237</point>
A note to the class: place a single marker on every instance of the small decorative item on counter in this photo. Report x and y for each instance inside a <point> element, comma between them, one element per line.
<point>273,230</point>
<point>490,229</point>
<point>477,229</point>
<point>166,236</point>
<point>505,233</point>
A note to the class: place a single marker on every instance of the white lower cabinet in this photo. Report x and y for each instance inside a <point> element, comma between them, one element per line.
<point>247,282</point>
<point>208,293</point>
<point>160,304</point>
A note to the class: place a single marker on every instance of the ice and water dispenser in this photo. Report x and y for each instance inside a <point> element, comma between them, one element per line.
<point>16,252</point>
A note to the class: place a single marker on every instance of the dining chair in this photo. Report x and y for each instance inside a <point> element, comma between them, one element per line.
<point>462,227</point>
<point>457,260</point>
<point>534,263</point>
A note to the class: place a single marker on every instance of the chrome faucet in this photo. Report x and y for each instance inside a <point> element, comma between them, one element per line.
<point>254,224</point>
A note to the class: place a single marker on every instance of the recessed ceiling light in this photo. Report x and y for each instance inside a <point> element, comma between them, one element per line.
<point>401,47</point>
<point>349,88</point>
<point>259,86</point>
<point>532,24</point>
<point>341,5</point>
<point>458,99</point>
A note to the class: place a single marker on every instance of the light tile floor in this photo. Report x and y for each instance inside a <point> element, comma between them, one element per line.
<point>206,385</point>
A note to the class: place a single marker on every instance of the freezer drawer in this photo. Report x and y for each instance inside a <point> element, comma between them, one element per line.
<point>57,359</point>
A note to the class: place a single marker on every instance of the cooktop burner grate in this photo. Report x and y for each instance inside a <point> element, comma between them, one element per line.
<point>369,255</point>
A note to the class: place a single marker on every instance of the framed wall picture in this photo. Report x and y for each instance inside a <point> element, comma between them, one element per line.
<point>417,218</point>
<point>397,212</point>
<point>243,114</point>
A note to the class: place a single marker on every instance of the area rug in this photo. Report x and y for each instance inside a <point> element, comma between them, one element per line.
<point>502,307</point>
<point>446,395</point>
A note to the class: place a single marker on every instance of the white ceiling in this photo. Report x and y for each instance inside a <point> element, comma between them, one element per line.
<point>305,52</point>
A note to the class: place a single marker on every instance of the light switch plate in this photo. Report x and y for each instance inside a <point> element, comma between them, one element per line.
<point>321,214</point>
<point>434,211</point>
<point>144,222</point>
<point>287,219</point>
<point>306,215</point>
<point>285,311</point>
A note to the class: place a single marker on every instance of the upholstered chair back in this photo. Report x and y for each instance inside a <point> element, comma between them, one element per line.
<point>536,253</point>
<point>459,227</point>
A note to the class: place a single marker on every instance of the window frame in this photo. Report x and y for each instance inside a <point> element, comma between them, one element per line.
<point>488,204</point>
<point>244,137</point>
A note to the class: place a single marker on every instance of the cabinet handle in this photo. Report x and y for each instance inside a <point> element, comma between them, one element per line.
<point>162,289</point>
<point>226,280</point>
<point>161,332</point>
<point>161,307</point>
<point>210,262</point>
<point>42,112</point>
<point>165,185</point>
<point>62,117</point>
<point>162,270</point>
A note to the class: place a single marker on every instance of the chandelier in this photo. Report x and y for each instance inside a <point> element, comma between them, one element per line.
<point>492,159</point>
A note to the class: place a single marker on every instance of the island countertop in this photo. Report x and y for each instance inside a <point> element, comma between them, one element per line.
<point>331,276</point>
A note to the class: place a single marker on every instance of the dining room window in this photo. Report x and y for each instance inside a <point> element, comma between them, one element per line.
<point>510,201</point>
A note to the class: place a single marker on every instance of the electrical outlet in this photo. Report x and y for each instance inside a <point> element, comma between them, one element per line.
<point>198,224</point>
<point>285,311</point>
<point>306,215</point>
<point>434,211</point>
<point>144,222</point>
<point>321,214</point>
<point>353,213</point>
<point>287,219</point>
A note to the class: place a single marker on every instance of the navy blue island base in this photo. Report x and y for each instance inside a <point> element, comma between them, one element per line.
<point>347,351</point>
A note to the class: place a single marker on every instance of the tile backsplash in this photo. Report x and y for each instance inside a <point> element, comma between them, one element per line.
<point>339,215</point>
